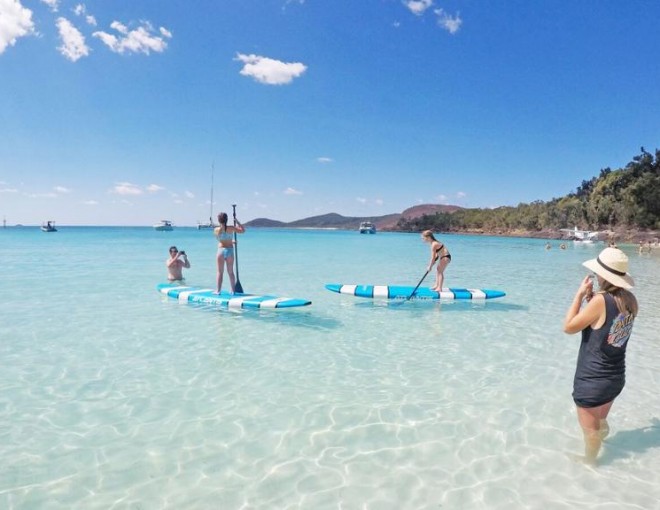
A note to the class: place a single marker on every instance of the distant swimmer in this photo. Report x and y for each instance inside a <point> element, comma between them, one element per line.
<point>175,264</point>
<point>562,246</point>
<point>606,321</point>
<point>439,254</point>
<point>548,246</point>
<point>225,255</point>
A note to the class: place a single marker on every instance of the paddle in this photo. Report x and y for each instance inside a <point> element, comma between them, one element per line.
<point>420,281</point>
<point>238,287</point>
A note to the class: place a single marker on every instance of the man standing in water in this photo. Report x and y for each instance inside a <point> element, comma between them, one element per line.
<point>175,264</point>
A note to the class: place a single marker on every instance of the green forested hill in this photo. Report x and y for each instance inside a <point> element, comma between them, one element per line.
<point>625,198</point>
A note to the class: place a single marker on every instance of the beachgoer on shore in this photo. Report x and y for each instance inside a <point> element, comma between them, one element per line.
<point>225,255</point>
<point>606,322</point>
<point>175,264</point>
<point>439,254</point>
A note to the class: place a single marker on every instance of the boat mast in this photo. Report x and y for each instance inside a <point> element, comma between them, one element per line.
<point>212,186</point>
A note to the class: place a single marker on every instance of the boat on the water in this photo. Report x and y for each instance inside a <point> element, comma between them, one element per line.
<point>366,227</point>
<point>582,236</point>
<point>164,225</point>
<point>49,226</point>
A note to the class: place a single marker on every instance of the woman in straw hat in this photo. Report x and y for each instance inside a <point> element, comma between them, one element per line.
<point>606,323</point>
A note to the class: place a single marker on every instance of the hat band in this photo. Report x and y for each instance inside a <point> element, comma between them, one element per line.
<point>619,273</point>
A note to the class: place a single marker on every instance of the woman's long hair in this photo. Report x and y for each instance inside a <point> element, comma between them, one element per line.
<point>222,219</point>
<point>626,301</point>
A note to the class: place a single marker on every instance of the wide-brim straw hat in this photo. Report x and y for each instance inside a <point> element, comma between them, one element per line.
<point>611,265</point>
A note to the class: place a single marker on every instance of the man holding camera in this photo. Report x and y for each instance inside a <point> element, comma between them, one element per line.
<point>175,264</point>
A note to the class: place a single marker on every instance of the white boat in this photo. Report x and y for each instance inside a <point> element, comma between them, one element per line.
<point>49,226</point>
<point>210,223</point>
<point>582,236</point>
<point>164,225</point>
<point>366,227</point>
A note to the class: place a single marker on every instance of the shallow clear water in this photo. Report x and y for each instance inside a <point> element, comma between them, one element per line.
<point>113,396</point>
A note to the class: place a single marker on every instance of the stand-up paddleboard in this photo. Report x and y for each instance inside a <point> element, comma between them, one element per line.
<point>226,299</point>
<point>403,292</point>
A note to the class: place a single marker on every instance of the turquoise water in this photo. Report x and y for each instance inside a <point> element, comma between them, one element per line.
<point>113,396</point>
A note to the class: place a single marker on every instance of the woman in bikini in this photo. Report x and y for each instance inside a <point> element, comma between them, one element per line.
<point>225,236</point>
<point>439,254</point>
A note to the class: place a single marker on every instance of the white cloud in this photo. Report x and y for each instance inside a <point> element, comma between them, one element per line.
<point>269,71</point>
<point>61,189</point>
<point>73,42</point>
<point>441,198</point>
<point>324,159</point>
<point>461,194</point>
<point>15,22</point>
<point>379,201</point>
<point>8,190</point>
<point>190,194</point>
<point>126,188</point>
<point>292,191</point>
<point>361,200</point>
<point>165,32</point>
<point>53,4</point>
<point>41,195</point>
<point>139,40</point>
<point>449,23</point>
<point>417,7</point>
<point>81,10</point>
<point>154,188</point>
<point>90,202</point>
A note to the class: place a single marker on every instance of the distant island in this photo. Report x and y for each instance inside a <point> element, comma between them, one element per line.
<point>623,203</point>
<point>388,222</point>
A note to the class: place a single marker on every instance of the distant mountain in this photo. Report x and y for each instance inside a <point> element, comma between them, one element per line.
<point>264,222</point>
<point>334,220</point>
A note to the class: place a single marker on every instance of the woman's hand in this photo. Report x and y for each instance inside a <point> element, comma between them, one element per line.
<point>586,288</point>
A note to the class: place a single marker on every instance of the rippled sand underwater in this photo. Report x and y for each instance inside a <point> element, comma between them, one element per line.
<point>114,396</point>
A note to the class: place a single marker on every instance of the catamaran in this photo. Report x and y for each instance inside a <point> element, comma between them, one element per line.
<point>366,227</point>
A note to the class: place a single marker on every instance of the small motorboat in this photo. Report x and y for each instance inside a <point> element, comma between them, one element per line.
<point>366,227</point>
<point>164,225</point>
<point>49,226</point>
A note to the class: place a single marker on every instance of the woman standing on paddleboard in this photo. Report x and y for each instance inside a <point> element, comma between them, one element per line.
<point>225,256</point>
<point>606,322</point>
<point>439,254</point>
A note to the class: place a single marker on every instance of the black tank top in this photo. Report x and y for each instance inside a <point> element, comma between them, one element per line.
<point>603,351</point>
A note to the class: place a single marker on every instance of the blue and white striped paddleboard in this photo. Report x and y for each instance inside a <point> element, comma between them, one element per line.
<point>226,299</point>
<point>402,292</point>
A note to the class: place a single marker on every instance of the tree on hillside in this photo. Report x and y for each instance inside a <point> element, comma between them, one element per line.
<point>628,197</point>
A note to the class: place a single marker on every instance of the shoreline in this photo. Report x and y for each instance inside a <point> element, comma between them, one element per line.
<point>624,236</point>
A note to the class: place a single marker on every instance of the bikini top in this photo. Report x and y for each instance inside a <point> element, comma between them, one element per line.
<point>224,236</point>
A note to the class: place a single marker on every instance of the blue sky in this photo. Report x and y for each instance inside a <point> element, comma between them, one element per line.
<point>113,113</point>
